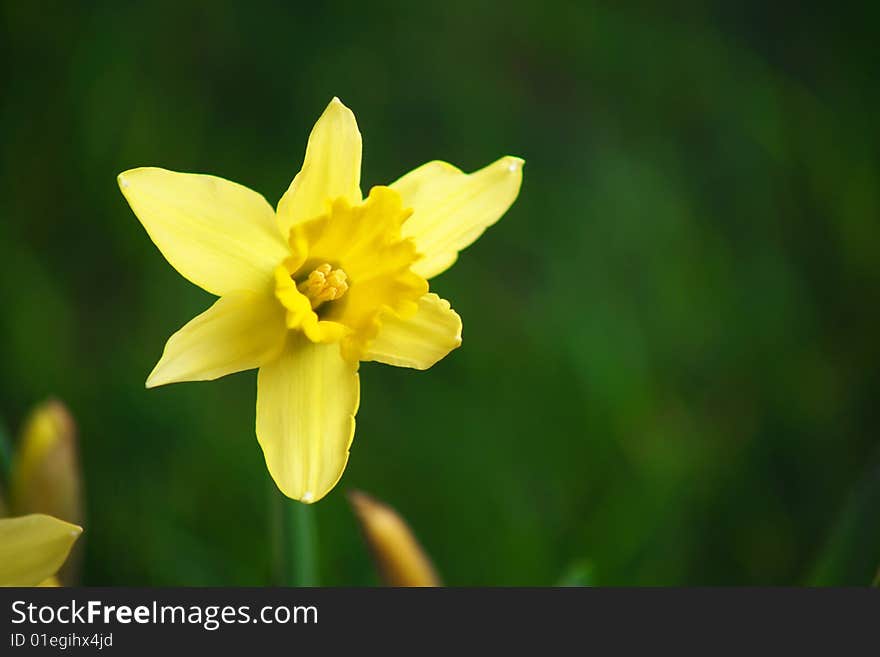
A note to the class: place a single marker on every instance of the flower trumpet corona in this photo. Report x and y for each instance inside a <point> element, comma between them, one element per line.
<point>309,290</point>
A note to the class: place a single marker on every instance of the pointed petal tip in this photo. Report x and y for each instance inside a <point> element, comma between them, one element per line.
<point>154,380</point>
<point>125,178</point>
<point>514,163</point>
<point>336,110</point>
<point>308,497</point>
<point>73,530</point>
<point>336,103</point>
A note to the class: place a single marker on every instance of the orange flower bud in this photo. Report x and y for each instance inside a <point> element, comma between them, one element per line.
<point>399,557</point>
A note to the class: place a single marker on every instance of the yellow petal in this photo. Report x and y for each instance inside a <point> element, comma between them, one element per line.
<point>331,168</point>
<point>218,234</point>
<point>419,341</point>
<point>397,553</point>
<point>33,548</point>
<point>241,331</point>
<point>306,403</point>
<point>451,209</point>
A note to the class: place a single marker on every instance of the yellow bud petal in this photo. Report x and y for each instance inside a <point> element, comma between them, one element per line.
<point>397,553</point>
<point>45,470</point>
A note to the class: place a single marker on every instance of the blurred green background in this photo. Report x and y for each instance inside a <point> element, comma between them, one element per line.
<point>670,358</point>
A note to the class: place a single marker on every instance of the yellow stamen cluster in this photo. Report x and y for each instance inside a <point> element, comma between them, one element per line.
<point>324,284</point>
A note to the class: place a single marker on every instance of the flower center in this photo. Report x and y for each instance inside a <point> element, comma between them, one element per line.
<point>324,284</point>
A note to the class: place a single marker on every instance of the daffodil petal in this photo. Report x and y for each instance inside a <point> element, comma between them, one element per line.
<point>419,341</point>
<point>241,331</point>
<point>451,209</point>
<point>33,548</point>
<point>331,168</point>
<point>218,234</point>
<point>306,403</point>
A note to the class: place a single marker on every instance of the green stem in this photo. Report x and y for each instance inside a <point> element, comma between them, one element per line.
<point>303,569</point>
<point>296,542</point>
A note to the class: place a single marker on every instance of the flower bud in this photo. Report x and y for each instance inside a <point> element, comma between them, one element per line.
<point>45,476</point>
<point>399,557</point>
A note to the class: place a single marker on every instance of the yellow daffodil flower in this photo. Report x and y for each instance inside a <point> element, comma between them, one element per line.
<point>33,548</point>
<point>310,290</point>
